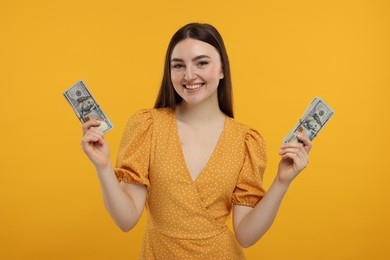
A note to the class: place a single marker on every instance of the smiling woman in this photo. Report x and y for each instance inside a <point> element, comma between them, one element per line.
<point>196,70</point>
<point>211,40</point>
<point>191,162</point>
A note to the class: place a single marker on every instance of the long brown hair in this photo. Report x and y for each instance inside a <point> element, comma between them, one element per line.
<point>167,96</point>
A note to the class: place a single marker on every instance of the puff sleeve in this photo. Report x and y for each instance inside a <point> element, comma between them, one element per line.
<point>132,165</point>
<point>249,191</point>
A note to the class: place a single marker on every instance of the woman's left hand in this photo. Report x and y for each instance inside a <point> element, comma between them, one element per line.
<point>294,159</point>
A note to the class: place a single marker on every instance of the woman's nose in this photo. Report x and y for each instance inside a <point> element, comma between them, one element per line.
<point>189,73</point>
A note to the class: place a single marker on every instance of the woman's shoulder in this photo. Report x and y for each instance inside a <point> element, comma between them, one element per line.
<point>247,131</point>
<point>239,126</point>
<point>151,113</point>
<point>152,116</point>
<point>162,112</point>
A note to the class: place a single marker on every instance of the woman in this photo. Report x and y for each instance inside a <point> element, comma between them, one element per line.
<point>190,162</point>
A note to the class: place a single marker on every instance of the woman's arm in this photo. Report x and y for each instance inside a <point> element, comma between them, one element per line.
<point>250,224</point>
<point>124,202</point>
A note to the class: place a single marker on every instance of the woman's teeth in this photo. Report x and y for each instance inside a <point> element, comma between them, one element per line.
<point>194,86</point>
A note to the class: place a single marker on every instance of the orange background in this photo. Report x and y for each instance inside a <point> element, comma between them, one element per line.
<point>283,53</point>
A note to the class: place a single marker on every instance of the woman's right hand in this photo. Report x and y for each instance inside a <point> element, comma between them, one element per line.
<point>94,145</point>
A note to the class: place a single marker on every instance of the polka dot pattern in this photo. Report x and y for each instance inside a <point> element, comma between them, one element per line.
<point>187,218</point>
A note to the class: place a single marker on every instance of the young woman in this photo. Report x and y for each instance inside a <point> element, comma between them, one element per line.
<point>190,162</point>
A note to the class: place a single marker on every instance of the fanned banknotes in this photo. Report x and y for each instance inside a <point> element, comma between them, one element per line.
<point>85,106</point>
<point>313,120</point>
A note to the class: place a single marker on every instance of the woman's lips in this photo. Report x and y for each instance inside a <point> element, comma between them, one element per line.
<point>193,86</point>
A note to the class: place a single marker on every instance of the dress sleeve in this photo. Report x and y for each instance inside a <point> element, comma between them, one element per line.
<point>249,191</point>
<point>132,165</point>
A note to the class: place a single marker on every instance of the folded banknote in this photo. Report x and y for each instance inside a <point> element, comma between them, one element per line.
<point>85,106</point>
<point>313,120</point>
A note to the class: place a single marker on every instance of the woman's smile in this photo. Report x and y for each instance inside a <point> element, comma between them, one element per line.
<point>193,86</point>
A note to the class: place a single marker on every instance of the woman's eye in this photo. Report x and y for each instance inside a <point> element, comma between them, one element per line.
<point>177,66</point>
<point>202,63</point>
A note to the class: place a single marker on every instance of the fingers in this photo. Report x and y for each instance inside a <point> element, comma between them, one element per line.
<point>306,142</point>
<point>294,151</point>
<point>91,136</point>
<point>90,124</point>
<point>296,156</point>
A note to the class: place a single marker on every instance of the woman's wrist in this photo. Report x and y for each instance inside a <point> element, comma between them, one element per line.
<point>103,169</point>
<point>281,184</point>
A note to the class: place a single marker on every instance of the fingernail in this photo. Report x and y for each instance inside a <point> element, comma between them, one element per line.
<point>282,146</point>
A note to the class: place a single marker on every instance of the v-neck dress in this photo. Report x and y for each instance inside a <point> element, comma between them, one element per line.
<point>186,217</point>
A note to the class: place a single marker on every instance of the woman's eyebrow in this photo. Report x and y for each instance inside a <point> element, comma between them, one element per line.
<point>193,59</point>
<point>201,57</point>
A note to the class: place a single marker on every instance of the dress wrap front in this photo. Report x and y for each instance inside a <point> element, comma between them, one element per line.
<point>186,217</point>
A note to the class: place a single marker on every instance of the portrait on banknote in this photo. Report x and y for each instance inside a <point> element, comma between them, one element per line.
<point>313,120</point>
<point>85,106</point>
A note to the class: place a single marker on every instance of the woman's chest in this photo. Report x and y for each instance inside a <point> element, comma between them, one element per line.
<point>216,162</point>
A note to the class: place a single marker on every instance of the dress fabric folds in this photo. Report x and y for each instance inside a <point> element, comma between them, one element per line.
<point>186,217</point>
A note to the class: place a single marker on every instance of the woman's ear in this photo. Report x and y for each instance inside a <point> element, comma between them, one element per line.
<point>221,76</point>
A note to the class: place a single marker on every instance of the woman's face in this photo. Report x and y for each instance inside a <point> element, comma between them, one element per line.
<point>195,71</point>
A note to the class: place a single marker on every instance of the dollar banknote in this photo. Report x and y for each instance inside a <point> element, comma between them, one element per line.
<point>313,120</point>
<point>85,106</point>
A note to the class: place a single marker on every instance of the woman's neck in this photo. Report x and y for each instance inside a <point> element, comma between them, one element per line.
<point>199,113</point>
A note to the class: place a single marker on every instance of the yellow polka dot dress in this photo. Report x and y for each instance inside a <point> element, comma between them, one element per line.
<point>186,217</point>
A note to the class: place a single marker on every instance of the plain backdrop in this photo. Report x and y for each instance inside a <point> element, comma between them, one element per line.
<point>282,54</point>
